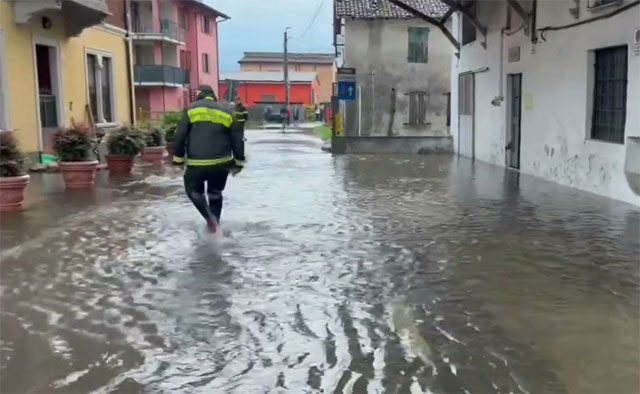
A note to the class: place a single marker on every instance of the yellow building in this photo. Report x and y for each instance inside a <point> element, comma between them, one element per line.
<point>58,60</point>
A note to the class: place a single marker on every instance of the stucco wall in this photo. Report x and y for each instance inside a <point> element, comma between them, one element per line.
<point>556,113</point>
<point>22,92</point>
<point>378,50</point>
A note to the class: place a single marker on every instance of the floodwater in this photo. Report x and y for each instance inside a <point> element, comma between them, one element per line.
<point>361,274</point>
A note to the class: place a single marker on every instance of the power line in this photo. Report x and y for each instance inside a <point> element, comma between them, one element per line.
<point>313,19</point>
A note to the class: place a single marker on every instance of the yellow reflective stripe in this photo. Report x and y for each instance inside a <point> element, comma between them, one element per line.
<point>209,162</point>
<point>209,115</point>
<point>209,98</point>
<point>177,159</point>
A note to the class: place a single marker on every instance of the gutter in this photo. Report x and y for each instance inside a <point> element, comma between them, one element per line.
<point>130,76</point>
<point>226,18</point>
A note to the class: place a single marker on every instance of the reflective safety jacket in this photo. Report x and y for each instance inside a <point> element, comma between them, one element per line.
<point>208,136</point>
<point>240,114</point>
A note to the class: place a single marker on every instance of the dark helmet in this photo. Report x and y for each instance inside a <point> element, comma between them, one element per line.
<point>205,91</point>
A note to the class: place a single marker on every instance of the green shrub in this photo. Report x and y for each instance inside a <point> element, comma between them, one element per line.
<point>153,137</point>
<point>171,119</point>
<point>12,160</point>
<point>169,133</point>
<point>125,141</point>
<point>73,144</point>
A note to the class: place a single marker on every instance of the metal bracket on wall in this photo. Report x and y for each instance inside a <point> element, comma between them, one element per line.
<point>464,10</point>
<point>526,18</point>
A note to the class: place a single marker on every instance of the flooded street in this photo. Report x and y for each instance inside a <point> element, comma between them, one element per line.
<point>351,274</point>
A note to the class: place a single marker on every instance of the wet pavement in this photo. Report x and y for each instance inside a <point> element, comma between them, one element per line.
<point>352,274</point>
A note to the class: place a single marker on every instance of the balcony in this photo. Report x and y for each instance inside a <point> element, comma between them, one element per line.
<point>160,75</point>
<point>77,15</point>
<point>169,31</point>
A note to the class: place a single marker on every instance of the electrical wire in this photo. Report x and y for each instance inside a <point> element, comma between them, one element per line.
<point>605,16</point>
<point>313,19</point>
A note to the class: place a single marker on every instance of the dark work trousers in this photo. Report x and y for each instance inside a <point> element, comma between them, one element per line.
<point>215,178</point>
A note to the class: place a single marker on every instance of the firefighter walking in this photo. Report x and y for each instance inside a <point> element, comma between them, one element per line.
<point>240,113</point>
<point>211,144</point>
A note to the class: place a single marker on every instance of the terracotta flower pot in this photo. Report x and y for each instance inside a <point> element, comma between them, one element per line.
<point>79,174</point>
<point>12,193</point>
<point>119,164</point>
<point>153,154</point>
<point>170,149</point>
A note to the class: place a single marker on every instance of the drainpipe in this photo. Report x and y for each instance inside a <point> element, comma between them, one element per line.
<point>128,40</point>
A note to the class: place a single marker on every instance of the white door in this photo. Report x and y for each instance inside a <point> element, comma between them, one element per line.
<point>466,108</point>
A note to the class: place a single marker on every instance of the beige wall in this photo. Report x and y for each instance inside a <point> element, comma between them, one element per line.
<point>21,76</point>
<point>326,74</point>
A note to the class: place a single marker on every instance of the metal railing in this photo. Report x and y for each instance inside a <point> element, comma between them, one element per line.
<point>171,29</point>
<point>48,111</point>
<point>160,74</point>
<point>168,28</point>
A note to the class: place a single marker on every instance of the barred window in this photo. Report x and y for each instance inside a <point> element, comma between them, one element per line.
<point>610,94</point>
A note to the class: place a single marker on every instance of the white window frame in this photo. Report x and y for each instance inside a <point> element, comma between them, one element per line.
<point>5,120</point>
<point>56,81</point>
<point>99,117</point>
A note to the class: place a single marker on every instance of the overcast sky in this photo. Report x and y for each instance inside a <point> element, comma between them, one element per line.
<point>258,25</point>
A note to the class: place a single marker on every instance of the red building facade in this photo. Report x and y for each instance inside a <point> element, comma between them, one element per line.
<point>253,87</point>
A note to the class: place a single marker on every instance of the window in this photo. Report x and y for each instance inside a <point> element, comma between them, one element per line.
<point>418,44</point>
<point>468,29</point>
<point>206,24</point>
<point>610,94</point>
<point>205,63</point>
<point>183,21</point>
<point>417,108</point>
<point>100,87</point>
<point>185,59</point>
<point>601,3</point>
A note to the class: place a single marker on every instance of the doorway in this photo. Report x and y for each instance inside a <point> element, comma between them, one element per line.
<point>514,114</point>
<point>48,90</point>
<point>466,115</point>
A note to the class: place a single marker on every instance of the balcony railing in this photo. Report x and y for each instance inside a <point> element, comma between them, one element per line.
<point>168,29</point>
<point>160,75</point>
<point>171,29</point>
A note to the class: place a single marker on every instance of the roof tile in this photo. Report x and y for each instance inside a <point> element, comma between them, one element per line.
<point>382,9</point>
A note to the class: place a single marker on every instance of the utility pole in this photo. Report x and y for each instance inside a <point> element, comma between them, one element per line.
<point>286,72</point>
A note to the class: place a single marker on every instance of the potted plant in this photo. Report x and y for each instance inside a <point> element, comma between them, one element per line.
<point>13,178</point>
<point>153,145</point>
<point>123,145</point>
<point>170,122</point>
<point>73,147</point>
<point>168,136</point>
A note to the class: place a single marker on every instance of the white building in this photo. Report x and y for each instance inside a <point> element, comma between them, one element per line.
<point>553,89</point>
<point>402,68</point>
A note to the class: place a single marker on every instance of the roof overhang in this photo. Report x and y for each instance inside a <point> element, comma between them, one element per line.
<point>77,15</point>
<point>202,4</point>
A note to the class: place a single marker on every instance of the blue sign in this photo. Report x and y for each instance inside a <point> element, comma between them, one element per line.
<point>346,90</point>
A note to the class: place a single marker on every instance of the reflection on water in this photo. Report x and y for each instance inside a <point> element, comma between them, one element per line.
<point>362,274</point>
